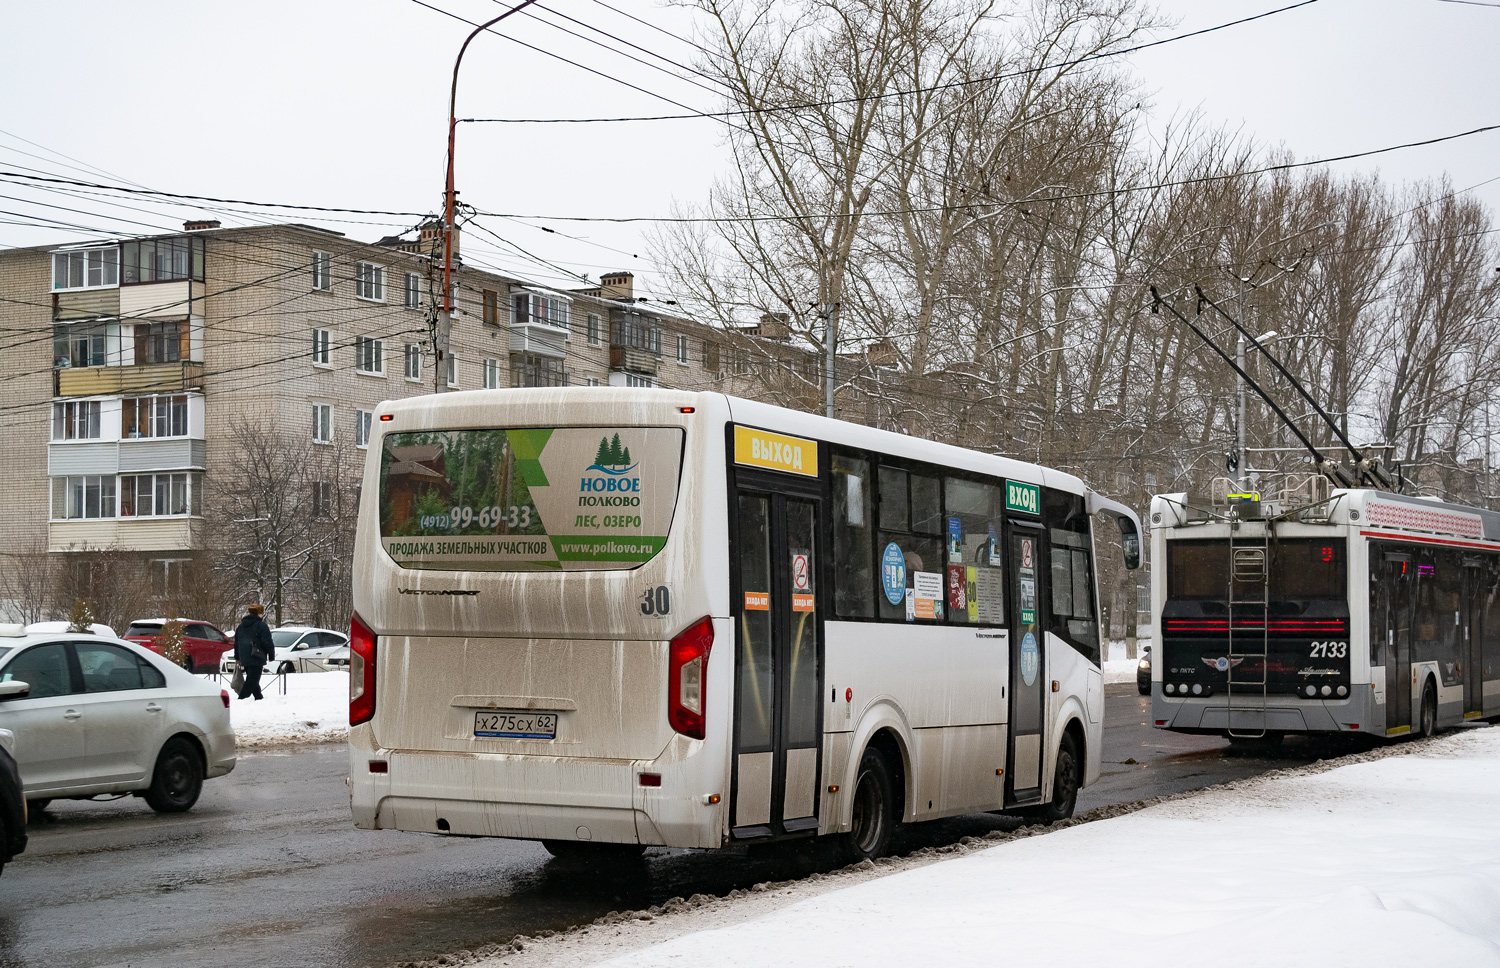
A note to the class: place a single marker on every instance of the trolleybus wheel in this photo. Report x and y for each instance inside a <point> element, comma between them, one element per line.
<point>1427,725</point>
<point>581,851</point>
<point>1065,780</point>
<point>873,817</point>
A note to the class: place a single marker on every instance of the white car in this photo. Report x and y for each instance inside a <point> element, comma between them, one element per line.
<point>299,648</point>
<point>94,714</point>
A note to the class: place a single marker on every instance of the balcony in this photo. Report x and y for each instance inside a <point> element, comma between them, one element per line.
<point>632,360</point>
<point>126,534</point>
<point>127,380</point>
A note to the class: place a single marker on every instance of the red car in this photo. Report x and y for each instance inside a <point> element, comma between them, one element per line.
<point>203,642</point>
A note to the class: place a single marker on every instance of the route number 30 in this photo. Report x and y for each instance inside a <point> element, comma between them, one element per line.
<point>657,600</point>
<point>1329,650</point>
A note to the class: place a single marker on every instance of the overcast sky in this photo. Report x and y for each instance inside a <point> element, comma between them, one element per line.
<point>344,103</point>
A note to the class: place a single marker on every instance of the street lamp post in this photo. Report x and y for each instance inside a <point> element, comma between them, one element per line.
<point>445,319</point>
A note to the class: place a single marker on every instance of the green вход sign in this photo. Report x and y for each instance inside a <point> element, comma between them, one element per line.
<point>1026,498</point>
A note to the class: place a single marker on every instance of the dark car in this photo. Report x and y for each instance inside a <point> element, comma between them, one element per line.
<point>1143,671</point>
<point>202,642</point>
<point>12,803</point>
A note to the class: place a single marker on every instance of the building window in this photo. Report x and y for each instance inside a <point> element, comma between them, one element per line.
<point>413,361</point>
<point>158,495</point>
<point>592,381</point>
<point>91,496</point>
<point>320,354</point>
<point>741,361</point>
<point>636,380</point>
<point>452,370</point>
<point>413,291</point>
<point>322,423</point>
<point>369,356</point>
<point>492,374</point>
<point>161,342</point>
<point>369,281</point>
<point>322,498</point>
<point>531,307</point>
<point>322,268</point>
<point>711,356</point>
<point>682,352</point>
<point>593,329</point>
<point>634,330</point>
<point>161,260</point>
<point>78,345</point>
<point>76,420</point>
<point>86,268</point>
<point>154,416</point>
<point>362,427</point>
<point>491,308</point>
<point>535,370</point>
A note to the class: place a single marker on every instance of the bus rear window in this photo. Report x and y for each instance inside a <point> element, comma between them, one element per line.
<point>528,499</point>
<point>1299,569</point>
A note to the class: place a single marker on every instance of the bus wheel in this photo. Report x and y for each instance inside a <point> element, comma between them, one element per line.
<point>586,851</point>
<point>873,818</point>
<point>1065,781</point>
<point>1427,725</point>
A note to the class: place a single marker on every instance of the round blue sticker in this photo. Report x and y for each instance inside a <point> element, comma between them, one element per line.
<point>1030,659</point>
<point>893,574</point>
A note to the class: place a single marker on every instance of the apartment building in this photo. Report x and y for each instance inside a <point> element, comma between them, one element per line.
<point>129,367</point>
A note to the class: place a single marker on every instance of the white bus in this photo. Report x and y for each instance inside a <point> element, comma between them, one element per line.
<point>1325,611</point>
<point>645,617</point>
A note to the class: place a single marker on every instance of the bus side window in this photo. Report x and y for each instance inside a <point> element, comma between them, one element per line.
<point>974,578</point>
<point>911,577</point>
<point>853,533</point>
<point>1072,570</point>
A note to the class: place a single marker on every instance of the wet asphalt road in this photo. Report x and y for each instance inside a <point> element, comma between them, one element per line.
<point>266,869</point>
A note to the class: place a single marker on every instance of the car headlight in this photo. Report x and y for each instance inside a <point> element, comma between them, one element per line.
<point>1143,664</point>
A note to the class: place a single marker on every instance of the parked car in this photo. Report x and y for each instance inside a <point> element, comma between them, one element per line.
<point>12,802</point>
<point>298,647</point>
<point>96,714</point>
<point>203,642</point>
<point>1143,671</point>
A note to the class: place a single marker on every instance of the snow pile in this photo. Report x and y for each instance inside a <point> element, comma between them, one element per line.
<point>1395,860</point>
<point>315,709</point>
<point>1117,668</point>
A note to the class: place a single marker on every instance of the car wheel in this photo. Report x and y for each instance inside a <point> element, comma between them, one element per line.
<point>1144,688</point>
<point>1427,725</point>
<point>285,668</point>
<point>584,851</point>
<point>187,663</point>
<point>873,818</point>
<point>38,805</point>
<point>178,778</point>
<point>1067,777</point>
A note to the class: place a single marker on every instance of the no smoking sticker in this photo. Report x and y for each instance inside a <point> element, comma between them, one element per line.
<point>1025,552</point>
<point>801,571</point>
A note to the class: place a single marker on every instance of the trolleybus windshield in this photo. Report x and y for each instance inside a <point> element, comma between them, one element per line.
<point>1298,569</point>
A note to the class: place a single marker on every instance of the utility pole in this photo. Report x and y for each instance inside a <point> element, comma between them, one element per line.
<point>444,323</point>
<point>830,340</point>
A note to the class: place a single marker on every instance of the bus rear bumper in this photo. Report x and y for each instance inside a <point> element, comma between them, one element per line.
<point>1358,713</point>
<point>536,798</point>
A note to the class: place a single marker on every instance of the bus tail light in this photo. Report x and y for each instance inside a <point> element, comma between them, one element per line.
<point>361,672</point>
<point>687,664</point>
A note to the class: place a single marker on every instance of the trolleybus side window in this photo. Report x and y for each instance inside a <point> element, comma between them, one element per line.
<point>975,581</point>
<point>1071,550</point>
<point>1438,591</point>
<point>911,579</point>
<point>1490,647</point>
<point>853,538</point>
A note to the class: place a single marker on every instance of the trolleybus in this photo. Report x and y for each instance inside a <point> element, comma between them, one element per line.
<point>1327,611</point>
<point>647,617</point>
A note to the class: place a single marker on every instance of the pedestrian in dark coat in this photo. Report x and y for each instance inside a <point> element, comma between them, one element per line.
<point>253,648</point>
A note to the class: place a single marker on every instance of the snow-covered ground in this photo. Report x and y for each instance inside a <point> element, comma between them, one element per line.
<point>1118,668</point>
<point>1391,860</point>
<point>315,709</point>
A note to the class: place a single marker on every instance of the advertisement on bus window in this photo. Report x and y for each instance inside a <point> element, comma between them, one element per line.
<point>530,499</point>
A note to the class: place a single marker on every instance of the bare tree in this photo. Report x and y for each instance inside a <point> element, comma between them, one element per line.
<point>26,580</point>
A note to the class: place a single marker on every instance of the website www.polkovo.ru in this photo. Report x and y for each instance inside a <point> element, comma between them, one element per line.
<point>607,548</point>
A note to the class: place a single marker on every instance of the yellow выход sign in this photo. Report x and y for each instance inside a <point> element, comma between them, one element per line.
<point>777,452</point>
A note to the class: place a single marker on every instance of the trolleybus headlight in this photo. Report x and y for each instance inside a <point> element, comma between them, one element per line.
<point>686,668</point>
<point>1327,690</point>
<point>1342,690</point>
<point>361,672</point>
<point>1168,688</point>
<point>1197,688</point>
<point>1312,690</point>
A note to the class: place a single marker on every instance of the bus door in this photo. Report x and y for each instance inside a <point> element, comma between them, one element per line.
<point>1028,665</point>
<point>778,680</point>
<point>1398,576</point>
<point>1471,658</point>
